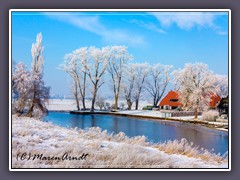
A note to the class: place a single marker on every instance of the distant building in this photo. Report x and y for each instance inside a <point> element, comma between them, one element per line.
<point>171,101</point>
<point>223,106</point>
<point>215,99</point>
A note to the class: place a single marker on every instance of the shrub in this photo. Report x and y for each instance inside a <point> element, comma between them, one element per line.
<point>179,108</point>
<point>100,102</point>
<point>210,115</point>
<point>105,150</point>
<point>147,108</point>
<point>107,106</point>
<point>122,105</point>
<point>37,113</point>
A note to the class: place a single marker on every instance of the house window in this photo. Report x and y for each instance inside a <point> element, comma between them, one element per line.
<point>167,107</point>
<point>173,100</point>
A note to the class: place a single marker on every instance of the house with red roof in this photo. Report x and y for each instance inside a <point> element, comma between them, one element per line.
<point>171,101</point>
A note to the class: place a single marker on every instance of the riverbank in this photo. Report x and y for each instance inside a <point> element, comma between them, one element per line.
<point>57,105</point>
<point>157,115</point>
<point>33,136</point>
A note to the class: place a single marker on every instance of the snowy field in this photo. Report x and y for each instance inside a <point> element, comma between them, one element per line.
<point>70,104</point>
<point>104,150</point>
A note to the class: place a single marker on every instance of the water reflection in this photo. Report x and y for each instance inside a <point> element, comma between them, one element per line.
<point>155,131</point>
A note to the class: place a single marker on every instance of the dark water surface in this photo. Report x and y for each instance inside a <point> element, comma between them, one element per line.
<point>155,131</point>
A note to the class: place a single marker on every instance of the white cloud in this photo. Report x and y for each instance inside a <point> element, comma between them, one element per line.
<point>121,37</point>
<point>188,20</point>
<point>219,31</point>
<point>150,26</point>
<point>92,23</point>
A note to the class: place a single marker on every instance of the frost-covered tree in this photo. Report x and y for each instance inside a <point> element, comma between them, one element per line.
<point>74,67</point>
<point>21,83</point>
<point>81,55</point>
<point>129,84</point>
<point>119,57</point>
<point>70,67</point>
<point>222,83</point>
<point>141,73</point>
<point>196,85</point>
<point>158,79</point>
<point>96,65</point>
<point>38,93</point>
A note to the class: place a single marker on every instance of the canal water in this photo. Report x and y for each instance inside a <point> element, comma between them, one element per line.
<point>153,130</point>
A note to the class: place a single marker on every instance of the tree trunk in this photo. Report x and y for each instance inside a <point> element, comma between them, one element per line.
<point>36,102</point>
<point>94,98</point>
<point>30,111</point>
<point>93,102</point>
<point>154,101</point>
<point>195,113</point>
<point>82,93</point>
<point>116,102</point>
<point>129,103</point>
<point>76,95</point>
<point>137,101</point>
<point>83,103</point>
<point>117,94</point>
<point>21,105</point>
<point>84,90</point>
<point>78,107</point>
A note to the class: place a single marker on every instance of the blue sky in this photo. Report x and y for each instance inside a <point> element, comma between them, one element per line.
<point>172,38</point>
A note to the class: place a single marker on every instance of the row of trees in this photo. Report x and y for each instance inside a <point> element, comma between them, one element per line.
<point>28,89</point>
<point>88,65</point>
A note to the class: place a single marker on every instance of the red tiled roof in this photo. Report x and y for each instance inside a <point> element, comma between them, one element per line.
<point>214,100</point>
<point>168,97</point>
<point>174,95</point>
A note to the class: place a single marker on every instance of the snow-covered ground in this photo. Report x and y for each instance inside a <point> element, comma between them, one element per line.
<point>61,105</point>
<point>150,113</point>
<point>104,151</point>
<point>70,104</point>
<point>142,113</point>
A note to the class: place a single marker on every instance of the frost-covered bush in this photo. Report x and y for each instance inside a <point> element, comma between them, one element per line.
<point>122,105</point>
<point>14,108</point>
<point>179,108</point>
<point>100,102</point>
<point>21,83</point>
<point>37,113</point>
<point>210,115</point>
<point>107,106</point>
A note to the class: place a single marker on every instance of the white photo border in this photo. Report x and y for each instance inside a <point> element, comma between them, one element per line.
<point>119,10</point>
